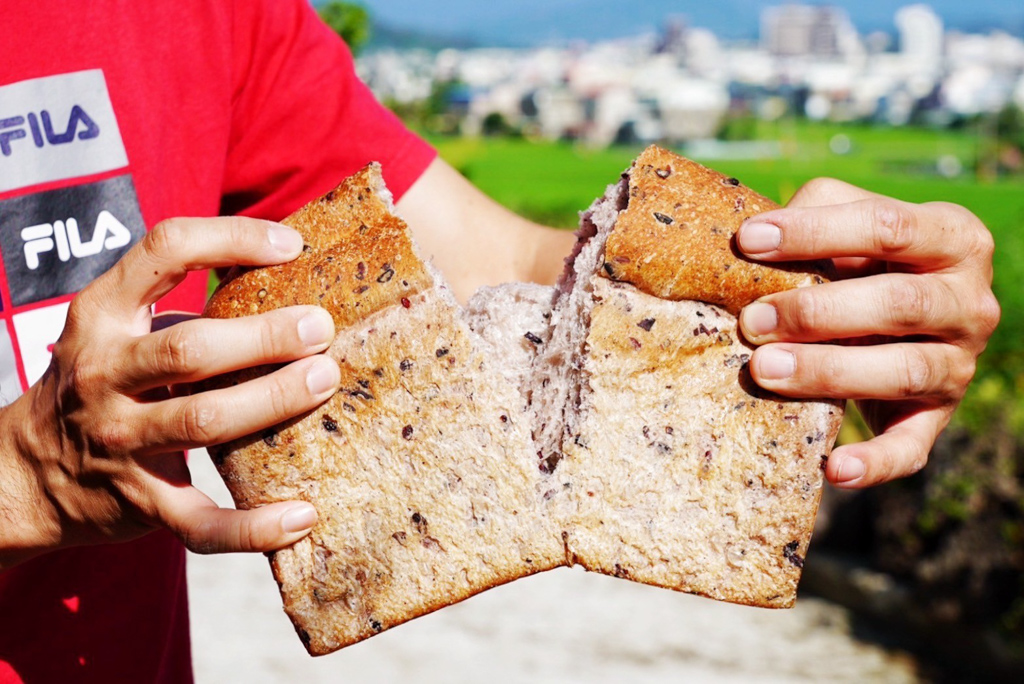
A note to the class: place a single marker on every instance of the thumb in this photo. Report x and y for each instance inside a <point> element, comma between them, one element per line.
<point>899,451</point>
<point>204,527</point>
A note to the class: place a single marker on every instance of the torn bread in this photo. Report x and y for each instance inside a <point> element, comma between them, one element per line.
<point>514,320</point>
<point>670,465</point>
<point>609,422</point>
<point>420,468</point>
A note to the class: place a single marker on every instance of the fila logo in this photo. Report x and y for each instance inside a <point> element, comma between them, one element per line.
<point>13,128</point>
<point>109,234</point>
<point>57,128</point>
<point>44,258</point>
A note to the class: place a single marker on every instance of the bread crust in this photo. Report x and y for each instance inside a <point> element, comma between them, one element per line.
<point>358,258</point>
<point>676,240</point>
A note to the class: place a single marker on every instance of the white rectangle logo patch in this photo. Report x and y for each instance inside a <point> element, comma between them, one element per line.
<point>37,331</point>
<point>10,385</point>
<point>56,128</point>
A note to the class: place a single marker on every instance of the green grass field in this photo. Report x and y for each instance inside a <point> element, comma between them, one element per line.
<point>551,182</point>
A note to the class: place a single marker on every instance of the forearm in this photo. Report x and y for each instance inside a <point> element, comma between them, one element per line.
<point>475,241</point>
<point>549,247</point>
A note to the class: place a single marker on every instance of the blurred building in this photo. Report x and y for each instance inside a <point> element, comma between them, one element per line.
<point>921,34</point>
<point>681,84</point>
<point>673,37</point>
<point>797,30</point>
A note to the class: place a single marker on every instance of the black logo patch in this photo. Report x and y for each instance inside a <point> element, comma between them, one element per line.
<point>56,242</point>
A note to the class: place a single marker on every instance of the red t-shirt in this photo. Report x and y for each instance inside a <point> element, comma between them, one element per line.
<point>115,115</point>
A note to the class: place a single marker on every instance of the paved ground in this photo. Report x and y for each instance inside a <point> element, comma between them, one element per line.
<point>562,626</point>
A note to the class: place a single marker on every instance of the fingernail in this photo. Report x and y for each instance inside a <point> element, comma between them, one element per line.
<point>850,469</point>
<point>322,376</point>
<point>298,519</point>
<point>775,364</point>
<point>284,239</point>
<point>316,328</point>
<point>759,319</point>
<point>758,237</point>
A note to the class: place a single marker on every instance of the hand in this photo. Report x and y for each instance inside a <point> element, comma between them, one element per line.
<point>912,305</point>
<point>92,453</point>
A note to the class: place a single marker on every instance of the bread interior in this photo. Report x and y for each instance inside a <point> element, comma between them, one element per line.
<point>558,383</point>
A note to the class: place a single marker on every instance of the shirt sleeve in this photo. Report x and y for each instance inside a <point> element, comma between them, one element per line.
<point>301,119</point>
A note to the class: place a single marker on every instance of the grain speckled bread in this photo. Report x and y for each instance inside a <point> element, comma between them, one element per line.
<point>675,240</point>
<point>420,468</point>
<point>671,467</point>
<point>609,421</point>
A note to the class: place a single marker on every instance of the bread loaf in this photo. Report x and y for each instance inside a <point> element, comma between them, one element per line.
<point>609,421</point>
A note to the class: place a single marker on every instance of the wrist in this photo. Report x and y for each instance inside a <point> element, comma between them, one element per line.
<point>26,512</point>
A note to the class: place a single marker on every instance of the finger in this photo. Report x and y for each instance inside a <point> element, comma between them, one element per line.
<point>206,528</point>
<point>893,304</point>
<point>900,451</point>
<point>217,416</point>
<point>822,192</point>
<point>174,247</point>
<point>206,347</point>
<point>932,370</point>
<point>878,228</point>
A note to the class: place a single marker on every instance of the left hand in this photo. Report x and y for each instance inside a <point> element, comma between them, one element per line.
<point>912,303</point>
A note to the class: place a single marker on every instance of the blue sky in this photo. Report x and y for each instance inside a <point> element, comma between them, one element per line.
<point>533,21</point>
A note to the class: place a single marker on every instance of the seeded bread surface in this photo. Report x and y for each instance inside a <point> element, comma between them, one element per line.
<point>676,239</point>
<point>705,484</point>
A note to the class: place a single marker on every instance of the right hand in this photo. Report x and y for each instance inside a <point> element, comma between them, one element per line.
<point>92,453</point>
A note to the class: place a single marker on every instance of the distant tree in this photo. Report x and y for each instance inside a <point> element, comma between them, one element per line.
<point>442,92</point>
<point>1000,142</point>
<point>1010,126</point>
<point>439,113</point>
<point>348,20</point>
<point>495,125</point>
<point>738,127</point>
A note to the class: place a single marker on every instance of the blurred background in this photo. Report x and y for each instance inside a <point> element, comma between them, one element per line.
<point>541,103</point>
